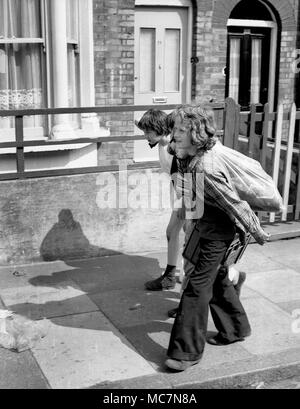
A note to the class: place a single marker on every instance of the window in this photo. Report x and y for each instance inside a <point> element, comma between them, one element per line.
<point>147,59</point>
<point>172,60</point>
<point>21,59</point>
<point>32,40</point>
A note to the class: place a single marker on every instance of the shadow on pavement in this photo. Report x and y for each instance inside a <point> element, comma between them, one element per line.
<point>113,285</point>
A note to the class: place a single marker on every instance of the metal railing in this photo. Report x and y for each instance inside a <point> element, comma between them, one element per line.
<point>20,143</point>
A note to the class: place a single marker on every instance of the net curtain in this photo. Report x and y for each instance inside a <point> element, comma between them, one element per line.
<point>20,62</point>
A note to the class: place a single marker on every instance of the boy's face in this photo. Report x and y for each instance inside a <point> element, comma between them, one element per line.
<point>182,137</point>
<point>152,138</point>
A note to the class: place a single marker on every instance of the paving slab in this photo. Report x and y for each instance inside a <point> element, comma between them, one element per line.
<point>282,248</point>
<point>152,340</point>
<point>283,230</point>
<point>277,285</point>
<point>239,373</point>
<point>124,345</point>
<point>246,373</point>
<point>20,371</point>
<point>132,307</point>
<point>35,302</point>
<point>255,260</point>
<point>291,306</point>
<point>83,350</point>
<point>247,292</point>
<point>288,261</point>
<point>18,276</point>
<point>271,328</point>
<point>111,273</point>
<point>157,267</point>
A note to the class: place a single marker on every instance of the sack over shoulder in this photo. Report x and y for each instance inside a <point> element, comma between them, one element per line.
<point>250,181</point>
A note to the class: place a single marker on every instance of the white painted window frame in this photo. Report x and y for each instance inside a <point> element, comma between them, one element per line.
<point>86,70</point>
<point>178,3</point>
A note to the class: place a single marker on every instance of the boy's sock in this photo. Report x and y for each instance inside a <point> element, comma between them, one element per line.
<point>166,281</point>
<point>169,271</point>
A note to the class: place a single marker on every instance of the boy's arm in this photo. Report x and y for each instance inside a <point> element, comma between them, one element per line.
<point>219,192</point>
<point>165,158</point>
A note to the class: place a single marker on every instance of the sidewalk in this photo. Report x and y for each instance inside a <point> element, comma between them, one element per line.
<point>106,331</point>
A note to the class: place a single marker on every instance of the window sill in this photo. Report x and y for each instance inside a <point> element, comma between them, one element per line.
<point>80,133</point>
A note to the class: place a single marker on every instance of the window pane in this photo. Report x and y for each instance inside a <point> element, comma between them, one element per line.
<point>256,70</point>
<point>21,79</point>
<point>72,20</point>
<point>147,60</point>
<point>172,59</point>
<point>234,71</point>
<point>20,18</point>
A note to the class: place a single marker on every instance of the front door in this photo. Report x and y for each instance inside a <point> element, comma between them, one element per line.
<point>249,65</point>
<point>160,63</point>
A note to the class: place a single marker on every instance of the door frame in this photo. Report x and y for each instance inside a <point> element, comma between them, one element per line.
<point>273,49</point>
<point>184,4</point>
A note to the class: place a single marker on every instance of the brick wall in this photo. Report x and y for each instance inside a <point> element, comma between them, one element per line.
<point>114,60</point>
<point>211,80</point>
<point>114,71</point>
<point>211,51</point>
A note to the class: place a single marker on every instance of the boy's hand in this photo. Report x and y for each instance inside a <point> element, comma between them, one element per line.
<point>261,237</point>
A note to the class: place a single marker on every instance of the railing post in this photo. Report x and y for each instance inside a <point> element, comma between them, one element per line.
<point>277,151</point>
<point>297,211</point>
<point>265,135</point>
<point>229,122</point>
<point>251,134</point>
<point>19,132</point>
<point>288,162</point>
<point>237,127</point>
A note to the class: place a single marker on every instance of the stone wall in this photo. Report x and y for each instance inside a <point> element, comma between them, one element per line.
<point>65,217</point>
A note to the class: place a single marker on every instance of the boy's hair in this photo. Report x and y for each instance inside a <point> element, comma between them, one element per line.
<point>154,120</point>
<point>202,124</point>
<point>208,111</point>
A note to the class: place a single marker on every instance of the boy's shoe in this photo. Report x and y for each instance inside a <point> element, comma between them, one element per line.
<point>218,340</point>
<point>162,283</point>
<point>241,280</point>
<point>173,312</point>
<point>177,365</point>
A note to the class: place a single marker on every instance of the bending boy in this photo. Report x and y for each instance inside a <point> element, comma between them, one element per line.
<point>155,125</point>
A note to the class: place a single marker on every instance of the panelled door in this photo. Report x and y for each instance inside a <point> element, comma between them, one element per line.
<point>160,62</point>
<point>249,63</point>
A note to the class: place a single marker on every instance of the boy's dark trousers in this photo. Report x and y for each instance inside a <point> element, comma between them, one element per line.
<point>207,286</point>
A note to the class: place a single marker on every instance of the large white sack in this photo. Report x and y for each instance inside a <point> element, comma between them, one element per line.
<point>250,181</point>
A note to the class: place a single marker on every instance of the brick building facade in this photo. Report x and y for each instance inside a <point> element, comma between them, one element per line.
<point>108,60</point>
<point>114,45</point>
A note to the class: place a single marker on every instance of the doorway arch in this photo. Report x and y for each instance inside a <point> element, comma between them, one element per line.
<point>283,9</point>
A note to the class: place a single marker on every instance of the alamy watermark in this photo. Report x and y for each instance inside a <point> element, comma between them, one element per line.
<point>151,190</point>
<point>296,63</point>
